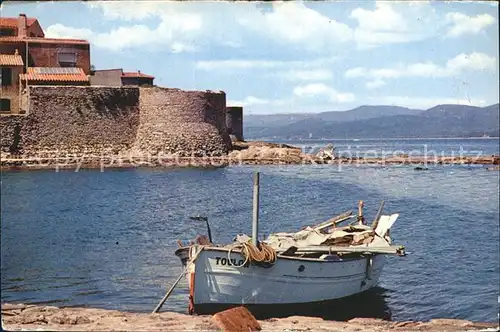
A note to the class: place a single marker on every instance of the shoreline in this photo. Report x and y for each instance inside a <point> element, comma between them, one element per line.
<point>50,318</point>
<point>243,153</point>
<point>115,162</point>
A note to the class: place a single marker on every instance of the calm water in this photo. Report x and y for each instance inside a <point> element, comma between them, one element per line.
<point>107,239</point>
<point>413,147</point>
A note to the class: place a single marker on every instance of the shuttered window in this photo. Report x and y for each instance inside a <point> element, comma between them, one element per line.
<point>67,59</point>
<point>6,76</point>
<point>4,105</point>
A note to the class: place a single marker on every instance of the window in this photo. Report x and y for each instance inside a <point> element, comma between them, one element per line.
<point>7,32</point>
<point>4,105</point>
<point>67,59</point>
<point>6,77</point>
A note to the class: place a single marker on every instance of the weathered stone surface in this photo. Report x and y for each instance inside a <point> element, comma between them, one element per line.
<point>236,319</point>
<point>10,133</point>
<point>91,319</point>
<point>80,120</point>
<point>185,123</point>
<point>67,122</point>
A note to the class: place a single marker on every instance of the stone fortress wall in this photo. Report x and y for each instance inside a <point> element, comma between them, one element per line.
<point>189,123</point>
<point>98,120</point>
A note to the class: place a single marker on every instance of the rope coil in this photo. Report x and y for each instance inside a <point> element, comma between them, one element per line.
<point>262,255</point>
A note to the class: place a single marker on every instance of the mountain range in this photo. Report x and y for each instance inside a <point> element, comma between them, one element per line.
<point>378,122</point>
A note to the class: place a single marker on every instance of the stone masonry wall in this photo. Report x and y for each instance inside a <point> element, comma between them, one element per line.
<point>80,120</point>
<point>10,133</point>
<point>73,121</point>
<point>186,123</point>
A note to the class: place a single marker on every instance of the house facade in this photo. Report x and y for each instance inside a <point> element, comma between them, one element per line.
<point>29,58</point>
<point>11,66</point>
<point>117,77</point>
<point>24,38</point>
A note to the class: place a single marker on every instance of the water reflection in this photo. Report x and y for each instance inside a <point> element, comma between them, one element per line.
<point>369,304</point>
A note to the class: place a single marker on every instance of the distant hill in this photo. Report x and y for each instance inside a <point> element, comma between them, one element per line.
<point>380,122</point>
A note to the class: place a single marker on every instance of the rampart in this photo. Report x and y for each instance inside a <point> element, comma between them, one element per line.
<point>80,120</point>
<point>185,123</point>
<point>10,133</point>
<point>96,121</point>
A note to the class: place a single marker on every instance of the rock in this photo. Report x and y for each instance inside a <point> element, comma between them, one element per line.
<point>236,319</point>
<point>368,321</point>
<point>450,322</point>
<point>9,306</point>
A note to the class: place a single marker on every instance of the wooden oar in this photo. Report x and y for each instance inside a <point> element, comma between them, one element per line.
<point>333,221</point>
<point>171,289</point>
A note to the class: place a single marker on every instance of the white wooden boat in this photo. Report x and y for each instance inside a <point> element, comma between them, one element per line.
<point>311,266</point>
<point>216,280</point>
<point>219,278</point>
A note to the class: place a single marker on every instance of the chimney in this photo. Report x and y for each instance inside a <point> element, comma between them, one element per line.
<point>22,24</point>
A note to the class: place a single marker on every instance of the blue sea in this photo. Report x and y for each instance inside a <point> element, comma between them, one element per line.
<point>106,239</point>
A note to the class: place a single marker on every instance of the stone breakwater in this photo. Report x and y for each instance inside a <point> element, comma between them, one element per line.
<point>75,122</point>
<point>47,318</point>
<point>242,153</point>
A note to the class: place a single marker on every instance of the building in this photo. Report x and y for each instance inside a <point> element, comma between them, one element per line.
<point>11,66</point>
<point>24,37</point>
<point>117,77</point>
<point>20,27</point>
<point>137,78</point>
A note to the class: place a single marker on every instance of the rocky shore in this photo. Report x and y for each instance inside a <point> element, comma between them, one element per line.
<point>17,317</point>
<point>243,153</point>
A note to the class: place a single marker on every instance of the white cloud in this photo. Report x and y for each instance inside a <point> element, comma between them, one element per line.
<point>375,84</point>
<point>210,65</point>
<point>288,23</point>
<point>463,24</point>
<point>394,22</point>
<point>294,23</point>
<point>173,32</point>
<point>60,31</point>
<point>252,101</point>
<point>128,10</point>
<point>320,89</point>
<point>232,64</point>
<point>459,64</point>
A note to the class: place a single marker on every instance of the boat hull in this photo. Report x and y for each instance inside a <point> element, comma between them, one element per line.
<point>214,279</point>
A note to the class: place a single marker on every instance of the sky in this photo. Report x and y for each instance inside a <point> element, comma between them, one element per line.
<point>290,57</point>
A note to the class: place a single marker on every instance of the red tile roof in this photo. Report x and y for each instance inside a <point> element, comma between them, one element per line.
<point>59,75</point>
<point>136,74</point>
<point>11,60</point>
<point>11,22</point>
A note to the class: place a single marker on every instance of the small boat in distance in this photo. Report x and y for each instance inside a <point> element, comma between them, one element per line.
<point>316,264</point>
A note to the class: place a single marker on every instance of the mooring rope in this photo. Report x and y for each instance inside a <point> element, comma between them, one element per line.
<point>262,255</point>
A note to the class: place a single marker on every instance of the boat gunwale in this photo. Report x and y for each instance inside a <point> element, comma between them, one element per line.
<point>359,256</point>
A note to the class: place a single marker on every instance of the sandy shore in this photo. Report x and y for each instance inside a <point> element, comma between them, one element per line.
<point>48,318</point>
